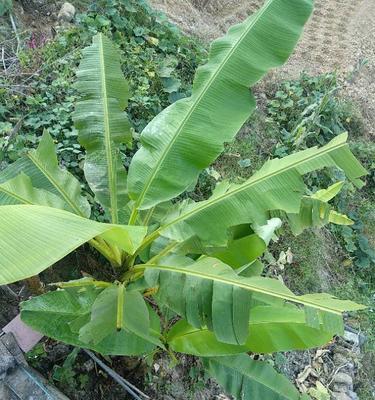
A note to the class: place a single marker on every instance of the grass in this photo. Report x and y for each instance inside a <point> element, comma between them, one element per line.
<point>322,258</point>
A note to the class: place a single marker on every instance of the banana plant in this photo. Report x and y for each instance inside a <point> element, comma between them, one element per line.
<point>199,260</point>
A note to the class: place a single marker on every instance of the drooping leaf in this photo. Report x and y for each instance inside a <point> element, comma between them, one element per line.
<point>223,308</point>
<point>41,166</point>
<point>32,238</point>
<point>62,314</point>
<point>278,185</point>
<point>190,134</point>
<point>253,269</point>
<point>102,124</point>
<point>339,219</point>
<point>246,249</point>
<point>19,190</point>
<point>328,194</point>
<point>241,251</point>
<point>316,212</point>
<point>244,378</point>
<point>212,269</point>
<point>271,329</point>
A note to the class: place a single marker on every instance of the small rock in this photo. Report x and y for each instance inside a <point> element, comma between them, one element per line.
<point>353,395</point>
<point>340,396</point>
<point>339,359</point>
<point>343,379</point>
<point>339,387</point>
<point>66,12</point>
<point>7,362</point>
<point>89,365</point>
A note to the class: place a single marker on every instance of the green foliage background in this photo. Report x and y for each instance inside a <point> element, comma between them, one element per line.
<point>157,59</point>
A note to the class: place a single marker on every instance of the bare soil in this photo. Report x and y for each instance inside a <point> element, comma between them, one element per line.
<point>339,36</point>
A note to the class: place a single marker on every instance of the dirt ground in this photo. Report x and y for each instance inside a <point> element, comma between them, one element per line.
<point>340,36</point>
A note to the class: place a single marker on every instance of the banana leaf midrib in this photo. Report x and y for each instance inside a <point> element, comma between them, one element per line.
<point>14,195</point>
<point>245,186</point>
<point>107,136</point>
<point>56,185</point>
<point>286,321</point>
<point>195,105</point>
<point>219,278</point>
<point>194,330</point>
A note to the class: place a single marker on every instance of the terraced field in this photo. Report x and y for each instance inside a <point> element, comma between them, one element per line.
<point>340,36</point>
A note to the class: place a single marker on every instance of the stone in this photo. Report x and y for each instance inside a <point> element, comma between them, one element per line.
<point>6,360</point>
<point>340,396</point>
<point>343,379</point>
<point>66,13</point>
<point>89,365</point>
<point>353,395</point>
<point>339,387</point>
<point>340,359</point>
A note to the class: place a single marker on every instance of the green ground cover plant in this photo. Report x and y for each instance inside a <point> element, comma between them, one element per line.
<point>199,259</point>
<point>157,59</point>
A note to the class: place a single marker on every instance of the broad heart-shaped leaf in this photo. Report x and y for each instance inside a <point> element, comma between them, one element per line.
<point>19,190</point>
<point>272,329</point>
<point>41,166</point>
<point>70,310</point>
<point>32,238</point>
<point>244,378</point>
<point>189,135</point>
<point>117,309</point>
<point>278,185</point>
<point>212,269</point>
<point>102,124</point>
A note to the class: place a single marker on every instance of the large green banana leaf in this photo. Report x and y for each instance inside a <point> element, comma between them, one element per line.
<point>212,269</point>
<point>223,308</point>
<point>70,310</point>
<point>19,190</point>
<point>278,185</point>
<point>32,238</point>
<point>41,166</point>
<point>189,135</point>
<point>102,124</point>
<point>245,378</point>
<point>271,329</point>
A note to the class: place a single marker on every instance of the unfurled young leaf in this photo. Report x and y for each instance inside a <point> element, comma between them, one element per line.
<point>194,130</point>
<point>102,124</point>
